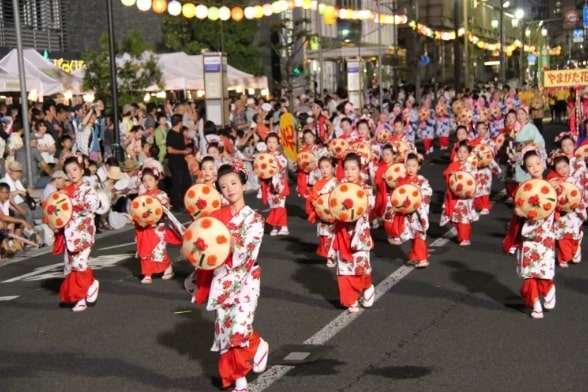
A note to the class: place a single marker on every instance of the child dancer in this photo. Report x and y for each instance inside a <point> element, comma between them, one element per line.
<point>323,186</point>
<point>207,171</point>
<point>350,250</point>
<point>484,174</point>
<point>236,286</point>
<point>459,211</point>
<point>151,244</point>
<point>275,189</point>
<point>382,188</point>
<point>534,244</point>
<point>76,239</point>
<point>303,179</point>
<point>568,225</point>
<point>415,225</point>
<point>461,132</point>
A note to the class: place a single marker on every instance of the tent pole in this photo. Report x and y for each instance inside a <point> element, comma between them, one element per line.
<point>118,151</point>
<point>23,95</point>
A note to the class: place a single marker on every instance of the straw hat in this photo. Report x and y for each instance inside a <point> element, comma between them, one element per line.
<point>306,161</point>
<point>363,150</point>
<point>485,155</point>
<point>394,172</point>
<point>569,197</point>
<point>406,198</point>
<point>129,164</point>
<point>57,210</point>
<point>383,135</point>
<point>15,166</point>
<point>400,150</point>
<point>114,173</point>
<point>348,202</point>
<point>201,200</point>
<point>536,198</point>
<point>146,210</point>
<point>322,209</point>
<point>462,184</point>
<point>338,147</point>
<point>265,165</point>
<point>582,152</point>
<point>207,243</point>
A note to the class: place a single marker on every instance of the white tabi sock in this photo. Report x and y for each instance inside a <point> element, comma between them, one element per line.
<point>537,307</point>
<point>241,383</point>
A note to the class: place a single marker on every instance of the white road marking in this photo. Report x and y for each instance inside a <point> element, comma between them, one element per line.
<point>118,246</point>
<point>9,297</point>
<point>56,270</point>
<point>276,372</point>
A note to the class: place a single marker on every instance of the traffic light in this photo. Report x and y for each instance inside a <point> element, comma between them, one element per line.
<point>297,71</point>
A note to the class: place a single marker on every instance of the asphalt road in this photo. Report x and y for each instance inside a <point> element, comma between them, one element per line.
<point>458,325</point>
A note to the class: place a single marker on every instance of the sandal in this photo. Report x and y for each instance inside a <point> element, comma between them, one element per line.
<point>168,274</point>
<point>80,306</point>
<point>147,280</point>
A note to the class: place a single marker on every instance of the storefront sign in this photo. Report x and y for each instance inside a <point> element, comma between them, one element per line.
<point>68,65</point>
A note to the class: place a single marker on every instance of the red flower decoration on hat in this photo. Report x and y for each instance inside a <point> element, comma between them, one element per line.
<point>200,244</point>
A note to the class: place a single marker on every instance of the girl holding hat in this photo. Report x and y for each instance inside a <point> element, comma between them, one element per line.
<point>351,246</point>
<point>151,243</point>
<point>533,242</point>
<point>415,225</point>
<point>323,186</point>
<point>236,286</point>
<point>77,238</point>
<point>458,211</point>
<point>275,189</point>
<point>484,174</point>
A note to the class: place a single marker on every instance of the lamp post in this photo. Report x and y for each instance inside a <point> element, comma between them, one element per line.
<point>380,97</point>
<point>502,58</point>
<point>466,46</point>
<point>119,153</point>
<point>519,13</point>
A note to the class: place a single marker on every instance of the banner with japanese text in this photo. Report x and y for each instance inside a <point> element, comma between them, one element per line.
<point>565,78</point>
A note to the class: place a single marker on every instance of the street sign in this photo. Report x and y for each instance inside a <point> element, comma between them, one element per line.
<point>585,15</point>
<point>424,60</point>
<point>578,35</point>
<point>571,17</point>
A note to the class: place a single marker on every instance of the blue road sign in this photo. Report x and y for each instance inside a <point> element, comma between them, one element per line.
<point>585,15</point>
<point>532,59</point>
<point>578,35</point>
<point>424,60</point>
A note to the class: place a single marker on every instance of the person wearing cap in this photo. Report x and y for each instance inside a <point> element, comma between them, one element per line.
<point>251,109</point>
<point>57,183</point>
<point>127,120</point>
<point>17,189</point>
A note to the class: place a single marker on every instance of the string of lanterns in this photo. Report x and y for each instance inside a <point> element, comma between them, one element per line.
<point>330,15</point>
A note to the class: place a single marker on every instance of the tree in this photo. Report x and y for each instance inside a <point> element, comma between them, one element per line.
<point>136,69</point>
<point>289,38</point>
<point>236,39</point>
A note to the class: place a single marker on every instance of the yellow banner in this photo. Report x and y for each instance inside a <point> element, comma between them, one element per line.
<point>288,136</point>
<point>565,78</point>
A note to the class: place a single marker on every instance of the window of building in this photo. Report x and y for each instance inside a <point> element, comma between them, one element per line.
<point>349,30</point>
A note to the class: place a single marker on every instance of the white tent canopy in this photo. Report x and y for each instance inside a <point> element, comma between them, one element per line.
<point>10,82</point>
<point>45,77</point>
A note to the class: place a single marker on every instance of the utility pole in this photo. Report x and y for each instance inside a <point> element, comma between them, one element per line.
<point>457,59</point>
<point>502,57</point>
<point>466,44</point>
<point>418,52</point>
<point>380,65</point>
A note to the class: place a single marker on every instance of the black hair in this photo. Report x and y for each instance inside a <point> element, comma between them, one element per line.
<point>398,119</point>
<point>111,161</point>
<point>272,134</point>
<point>412,156</point>
<point>148,171</point>
<point>64,138</point>
<point>154,151</point>
<point>207,158</point>
<point>327,159</point>
<point>226,169</point>
<point>352,157</point>
<point>568,137</point>
<point>73,159</point>
<point>307,131</point>
<point>176,119</point>
<point>4,187</point>
<point>560,158</point>
<point>529,154</point>
<point>461,127</point>
<point>160,115</point>
<point>362,121</point>
<point>464,143</point>
<point>346,119</point>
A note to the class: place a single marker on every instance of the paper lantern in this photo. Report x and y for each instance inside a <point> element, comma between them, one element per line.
<point>213,13</point>
<point>224,13</point>
<point>322,8</point>
<point>201,11</point>
<point>277,7</point>
<point>144,5</point>
<point>159,6</point>
<point>258,11</point>
<point>249,13</point>
<point>128,3</point>
<point>237,14</point>
<point>330,16</point>
<point>174,8</point>
<point>536,199</point>
<point>298,3</point>
<point>306,4</point>
<point>348,202</point>
<point>268,10</point>
<point>189,10</point>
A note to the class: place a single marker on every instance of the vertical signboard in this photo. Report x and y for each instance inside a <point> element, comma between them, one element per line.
<point>354,82</point>
<point>215,85</point>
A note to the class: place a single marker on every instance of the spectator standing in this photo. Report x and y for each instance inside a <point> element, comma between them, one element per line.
<point>176,158</point>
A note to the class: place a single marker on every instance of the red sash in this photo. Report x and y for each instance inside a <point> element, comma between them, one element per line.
<point>450,200</point>
<point>302,183</point>
<point>342,241</point>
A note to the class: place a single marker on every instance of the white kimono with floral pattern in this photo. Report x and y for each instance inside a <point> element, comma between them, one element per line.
<point>235,288</point>
<point>568,225</point>
<point>361,244</point>
<point>464,211</point>
<point>418,221</point>
<point>579,171</point>
<point>484,174</point>
<point>279,182</point>
<point>80,230</point>
<point>536,256</point>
